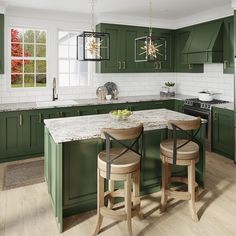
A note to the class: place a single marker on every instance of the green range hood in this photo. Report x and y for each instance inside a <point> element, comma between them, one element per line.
<point>205,44</point>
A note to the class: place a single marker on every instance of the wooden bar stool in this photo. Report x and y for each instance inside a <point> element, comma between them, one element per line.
<point>119,164</point>
<point>181,152</point>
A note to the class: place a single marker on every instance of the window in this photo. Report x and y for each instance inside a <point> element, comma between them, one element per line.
<point>71,72</point>
<point>28,58</point>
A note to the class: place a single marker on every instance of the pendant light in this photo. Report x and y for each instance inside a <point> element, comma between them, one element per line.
<point>150,48</point>
<point>91,45</point>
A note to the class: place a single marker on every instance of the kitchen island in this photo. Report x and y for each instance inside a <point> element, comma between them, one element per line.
<point>72,145</point>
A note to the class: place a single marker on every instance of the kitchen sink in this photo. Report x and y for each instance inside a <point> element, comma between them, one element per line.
<point>56,103</point>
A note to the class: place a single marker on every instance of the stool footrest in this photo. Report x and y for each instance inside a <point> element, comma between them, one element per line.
<point>118,214</point>
<point>178,195</point>
<point>179,179</point>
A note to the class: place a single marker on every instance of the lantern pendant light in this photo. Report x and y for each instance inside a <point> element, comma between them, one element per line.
<point>91,45</point>
<point>150,48</point>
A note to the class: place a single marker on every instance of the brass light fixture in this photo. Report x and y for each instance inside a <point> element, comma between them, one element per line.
<point>91,45</point>
<point>150,48</point>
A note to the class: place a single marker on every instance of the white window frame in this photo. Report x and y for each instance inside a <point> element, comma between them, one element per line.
<point>91,66</point>
<point>9,58</point>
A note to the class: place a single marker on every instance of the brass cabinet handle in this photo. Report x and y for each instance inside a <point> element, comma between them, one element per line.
<point>215,116</point>
<point>78,112</point>
<point>119,65</point>
<point>40,118</point>
<point>225,64</point>
<point>96,111</point>
<point>160,65</point>
<point>156,65</point>
<point>20,120</point>
<point>61,114</point>
<point>190,67</point>
<point>158,103</point>
<point>124,65</point>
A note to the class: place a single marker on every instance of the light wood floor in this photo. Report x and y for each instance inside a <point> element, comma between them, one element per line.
<point>27,211</point>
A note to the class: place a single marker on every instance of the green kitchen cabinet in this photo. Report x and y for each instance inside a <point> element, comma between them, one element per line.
<point>179,106</point>
<point>2,43</point>
<point>223,132</point>
<point>165,61</point>
<point>33,131</point>
<point>181,37</point>
<point>121,49</point>
<point>11,135</point>
<point>228,45</point>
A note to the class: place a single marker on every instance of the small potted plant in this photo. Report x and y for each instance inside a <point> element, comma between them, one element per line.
<point>170,86</point>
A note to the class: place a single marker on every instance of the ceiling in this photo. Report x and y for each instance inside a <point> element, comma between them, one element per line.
<point>166,9</point>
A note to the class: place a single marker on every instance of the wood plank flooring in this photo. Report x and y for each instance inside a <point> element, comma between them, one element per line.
<point>27,211</point>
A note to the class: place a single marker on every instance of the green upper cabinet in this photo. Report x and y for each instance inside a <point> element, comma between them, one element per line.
<point>181,37</point>
<point>228,45</point>
<point>1,44</point>
<point>122,50</point>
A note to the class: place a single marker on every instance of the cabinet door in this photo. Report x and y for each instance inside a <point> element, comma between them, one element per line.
<point>11,135</point>
<point>1,44</point>
<point>114,64</point>
<point>228,45</point>
<point>181,37</point>
<point>179,106</point>
<point>223,132</point>
<point>151,161</point>
<point>33,130</point>
<point>128,50</point>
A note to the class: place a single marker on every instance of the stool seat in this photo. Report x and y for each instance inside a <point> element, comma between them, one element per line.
<point>126,163</point>
<point>188,152</point>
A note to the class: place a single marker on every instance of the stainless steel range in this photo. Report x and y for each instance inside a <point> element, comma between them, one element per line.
<point>195,107</point>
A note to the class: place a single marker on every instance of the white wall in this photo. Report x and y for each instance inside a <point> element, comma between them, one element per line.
<point>212,79</point>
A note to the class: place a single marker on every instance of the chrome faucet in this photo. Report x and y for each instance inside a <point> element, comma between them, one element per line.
<point>54,90</point>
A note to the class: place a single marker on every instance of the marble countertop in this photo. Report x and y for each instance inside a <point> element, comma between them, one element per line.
<point>89,127</point>
<point>229,106</point>
<point>86,102</point>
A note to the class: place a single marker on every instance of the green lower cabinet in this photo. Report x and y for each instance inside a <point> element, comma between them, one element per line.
<point>223,132</point>
<point>11,135</point>
<point>33,129</point>
<point>179,106</point>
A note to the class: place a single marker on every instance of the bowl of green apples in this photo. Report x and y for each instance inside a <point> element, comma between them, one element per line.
<point>120,114</point>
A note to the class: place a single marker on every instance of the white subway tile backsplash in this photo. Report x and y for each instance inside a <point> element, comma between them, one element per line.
<point>133,84</point>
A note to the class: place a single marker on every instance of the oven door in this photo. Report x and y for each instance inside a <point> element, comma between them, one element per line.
<point>204,115</point>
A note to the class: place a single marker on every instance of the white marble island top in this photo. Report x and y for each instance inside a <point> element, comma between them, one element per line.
<point>89,127</point>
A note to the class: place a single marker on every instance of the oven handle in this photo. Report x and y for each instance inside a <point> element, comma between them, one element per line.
<point>189,109</point>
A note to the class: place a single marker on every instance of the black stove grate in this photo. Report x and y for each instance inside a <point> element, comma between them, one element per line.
<point>213,102</point>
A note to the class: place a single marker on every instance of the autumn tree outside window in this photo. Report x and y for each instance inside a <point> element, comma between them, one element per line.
<point>28,58</point>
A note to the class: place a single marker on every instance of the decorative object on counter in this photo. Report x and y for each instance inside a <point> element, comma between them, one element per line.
<point>112,89</point>
<point>102,92</point>
<point>148,48</point>
<point>206,96</point>
<point>120,114</point>
<point>108,97</point>
<point>168,89</point>
<point>93,46</point>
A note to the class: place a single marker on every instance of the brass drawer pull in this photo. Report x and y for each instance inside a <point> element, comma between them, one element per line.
<point>225,64</point>
<point>40,118</point>
<point>160,65</point>
<point>119,65</point>
<point>124,65</point>
<point>20,120</point>
<point>214,116</point>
